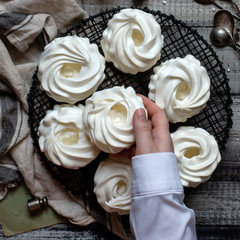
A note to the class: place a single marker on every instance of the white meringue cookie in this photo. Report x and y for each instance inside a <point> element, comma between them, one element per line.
<point>108,116</point>
<point>132,41</point>
<point>181,86</point>
<point>197,155</point>
<point>71,69</point>
<point>63,139</point>
<point>113,185</point>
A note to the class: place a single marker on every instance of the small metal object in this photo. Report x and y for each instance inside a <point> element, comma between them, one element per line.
<point>224,18</point>
<point>207,2</point>
<point>37,204</point>
<point>222,34</point>
<point>220,37</point>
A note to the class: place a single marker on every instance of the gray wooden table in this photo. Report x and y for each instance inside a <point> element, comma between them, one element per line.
<point>218,207</point>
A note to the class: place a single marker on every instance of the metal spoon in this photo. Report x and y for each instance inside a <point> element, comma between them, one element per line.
<point>237,6</point>
<point>220,37</point>
<point>207,2</point>
<point>224,18</point>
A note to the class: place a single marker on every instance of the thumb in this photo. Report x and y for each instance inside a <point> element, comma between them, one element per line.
<point>142,132</point>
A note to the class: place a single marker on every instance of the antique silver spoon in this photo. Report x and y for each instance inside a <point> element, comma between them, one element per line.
<point>220,37</point>
<point>207,2</point>
<point>224,18</point>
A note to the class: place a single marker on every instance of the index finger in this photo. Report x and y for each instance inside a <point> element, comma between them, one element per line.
<point>160,125</point>
<point>157,115</point>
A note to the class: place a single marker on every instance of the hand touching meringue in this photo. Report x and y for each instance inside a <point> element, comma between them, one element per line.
<point>108,118</point>
<point>152,134</point>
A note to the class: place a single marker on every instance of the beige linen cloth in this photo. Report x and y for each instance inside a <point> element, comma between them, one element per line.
<point>25,26</point>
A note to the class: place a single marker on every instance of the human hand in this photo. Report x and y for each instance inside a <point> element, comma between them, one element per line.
<point>152,135</point>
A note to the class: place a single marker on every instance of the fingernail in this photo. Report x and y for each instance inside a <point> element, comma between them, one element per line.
<point>140,114</point>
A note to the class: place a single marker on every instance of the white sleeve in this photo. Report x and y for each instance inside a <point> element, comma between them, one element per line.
<point>157,208</point>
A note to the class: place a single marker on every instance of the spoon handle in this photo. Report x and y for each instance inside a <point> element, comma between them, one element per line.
<point>237,6</point>
<point>235,16</point>
<point>235,46</point>
<point>238,50</point>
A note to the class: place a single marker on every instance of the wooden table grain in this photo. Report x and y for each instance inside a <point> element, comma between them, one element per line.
<point>217,207</point>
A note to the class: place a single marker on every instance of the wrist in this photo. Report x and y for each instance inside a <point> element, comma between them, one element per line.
<point>155,172</point>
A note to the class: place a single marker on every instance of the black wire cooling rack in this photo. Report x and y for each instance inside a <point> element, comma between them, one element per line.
<point>179,40</point>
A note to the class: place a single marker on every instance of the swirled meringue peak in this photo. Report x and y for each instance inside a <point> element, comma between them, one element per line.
<point>63,139</point>
<point>108,116</point>
<point>197,154</point>
<point>71,69</point>
<point>113,185</point>
<point>181,86</point>
<point>132,41</point>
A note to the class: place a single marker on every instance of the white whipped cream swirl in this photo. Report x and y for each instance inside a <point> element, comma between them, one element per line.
<point>71,69</point>
<point>108,116</point>
<point>132,41</point>
<point>197,155</point>
<point>113,185</point>
<point>181,86</point>
<point>63,139</point>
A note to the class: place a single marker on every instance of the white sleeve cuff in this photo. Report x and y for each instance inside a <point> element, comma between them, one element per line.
<point>155,173</point>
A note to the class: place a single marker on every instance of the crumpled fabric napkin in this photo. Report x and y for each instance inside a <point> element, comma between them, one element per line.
<point>25,27</point>
<point>24,30</point>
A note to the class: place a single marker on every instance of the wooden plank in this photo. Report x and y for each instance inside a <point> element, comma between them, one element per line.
<point>65,231</point>
<point>186,10</point>
<point>232,153</point>
<point>216,203</point>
